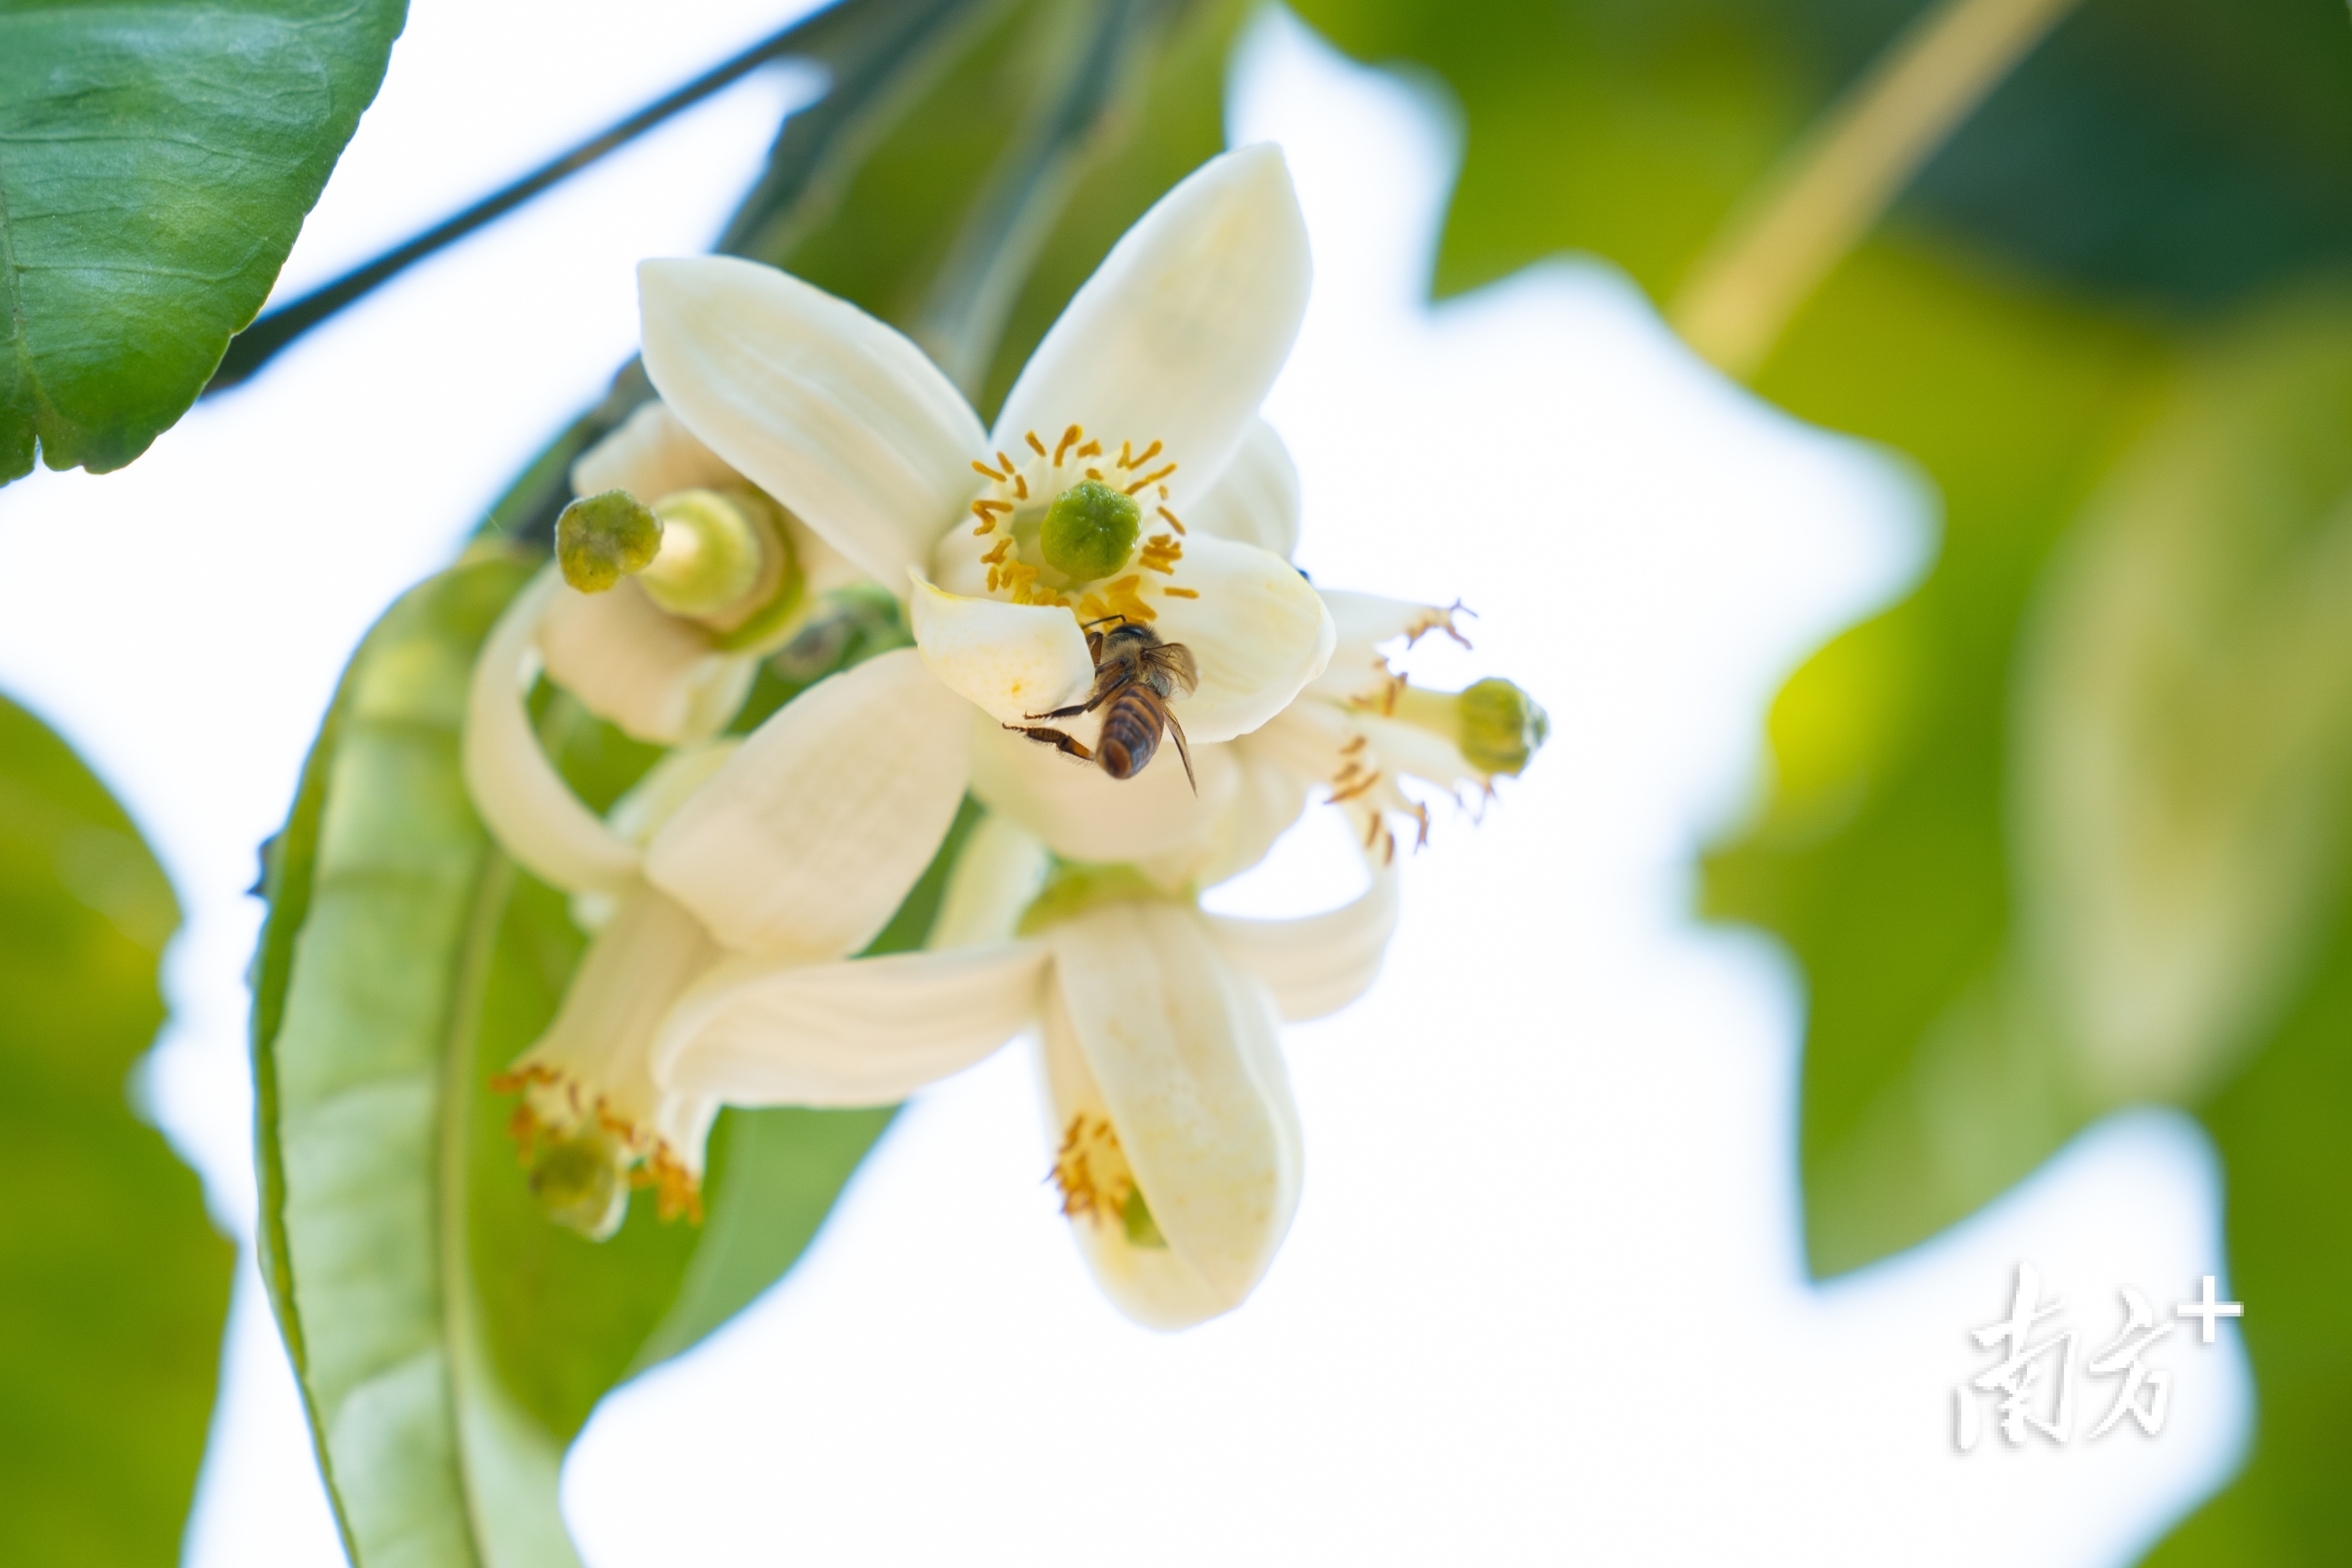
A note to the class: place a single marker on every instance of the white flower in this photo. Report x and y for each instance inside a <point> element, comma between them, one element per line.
<point>1176,1146</point>
<point>1129,475</point>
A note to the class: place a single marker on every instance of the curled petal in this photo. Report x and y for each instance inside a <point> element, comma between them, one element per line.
<point>1357,670</point>
<point>836,415</point>
<point>864,1031</point>
<point>651,454</point>
<point>1318,964</point>
<point>1257,630</point>
<point>1179,333</point>
<point>1266,800</point>
<point>1147,1025</point>
<point>1084,813</point>
<point>527,805</point>
<point>633,664</point>
<point>1003,869</point>
<point>1013,660</point>
<point>1404,748</point>
<point>594,1065</point>
<point>808,838</point>
<point>1255,499</point>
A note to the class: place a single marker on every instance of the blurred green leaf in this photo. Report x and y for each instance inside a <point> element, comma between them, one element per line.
<point>156,160</point>
<point>2186,153</point>
<point>113,1284</point>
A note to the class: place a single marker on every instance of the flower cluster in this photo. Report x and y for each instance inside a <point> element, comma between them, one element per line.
<point>1108,567</point>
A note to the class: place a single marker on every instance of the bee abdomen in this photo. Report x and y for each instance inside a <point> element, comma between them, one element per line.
<point>1130,734</point>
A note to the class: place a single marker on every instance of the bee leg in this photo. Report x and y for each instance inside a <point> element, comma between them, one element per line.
<point>1184,752</point>
<point>1088,706</point>
<point>1055,739</point>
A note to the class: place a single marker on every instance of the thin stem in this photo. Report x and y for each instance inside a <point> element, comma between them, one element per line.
<point>1835,184</point>
<point>259,343</point>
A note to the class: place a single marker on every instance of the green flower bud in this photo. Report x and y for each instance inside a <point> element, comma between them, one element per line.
<point>1090,531</point>
<point>1501,727</point>
<point>600,539</point>
<point>579,1181</point>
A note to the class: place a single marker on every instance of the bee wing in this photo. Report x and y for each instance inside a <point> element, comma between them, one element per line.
<point>1182,751</point>
<point>1176,661</point>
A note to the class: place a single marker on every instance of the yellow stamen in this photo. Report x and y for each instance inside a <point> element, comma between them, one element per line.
<point>1173,520</point>
<point>1176,593</point>
<point>1069,436</point>
<point>1034,445</point>
<point>1151,479</point>
<point>991,473</point>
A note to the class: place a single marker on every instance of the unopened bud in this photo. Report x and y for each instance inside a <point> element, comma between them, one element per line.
<point>579,1181</point>
<point>600,539</point>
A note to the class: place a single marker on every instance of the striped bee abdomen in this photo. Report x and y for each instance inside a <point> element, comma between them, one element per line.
<point>1130,734</point>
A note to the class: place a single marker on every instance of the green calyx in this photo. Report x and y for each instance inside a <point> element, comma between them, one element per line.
<point>1090,531</point>
<point>578,1179</point>
<point>1074,887</point>
<point>600,539</point>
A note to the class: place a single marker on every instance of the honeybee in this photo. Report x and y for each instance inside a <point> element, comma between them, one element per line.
<point>1136,674</point>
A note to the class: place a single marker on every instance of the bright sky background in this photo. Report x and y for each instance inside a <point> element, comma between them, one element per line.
<point>1544,1299</point>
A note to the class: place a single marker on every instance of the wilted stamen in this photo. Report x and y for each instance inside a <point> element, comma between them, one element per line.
<point>1098,1184</point>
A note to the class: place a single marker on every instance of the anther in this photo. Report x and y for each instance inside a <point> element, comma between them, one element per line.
<point>1069,439</point>
<point>1176,593</point>
<point>991,473</point>
<point>1034,445</point>
<point>1151,479</point>
<point>1173,520</point>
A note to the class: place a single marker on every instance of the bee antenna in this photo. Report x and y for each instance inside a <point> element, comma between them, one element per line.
<point>1090,626</point>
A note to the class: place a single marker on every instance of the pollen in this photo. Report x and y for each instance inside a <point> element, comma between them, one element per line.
<point>1160,554</point>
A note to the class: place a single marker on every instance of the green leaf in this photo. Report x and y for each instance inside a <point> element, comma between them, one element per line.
<point>2186,152</point>
<point>156,161</point>
<point>450,1340</point>
<point>113,1284</point>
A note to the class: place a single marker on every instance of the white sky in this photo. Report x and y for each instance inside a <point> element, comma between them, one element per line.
<point>1544,1299</point>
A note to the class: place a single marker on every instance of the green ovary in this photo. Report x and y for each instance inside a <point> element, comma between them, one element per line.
<point>1090,531</point>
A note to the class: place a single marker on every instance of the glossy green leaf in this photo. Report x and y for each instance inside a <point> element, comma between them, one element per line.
<point>156,160</point>
<point>113,1284</point>
<point>2186,152</point>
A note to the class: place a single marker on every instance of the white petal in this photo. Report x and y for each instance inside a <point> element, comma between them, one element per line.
<point>600,1048</point>
<point>529,808</point>
<point>1318,964</point>
<point>1013,660</point>
<point>1258,632</point>
<point>1267,799</point>
<point>807,839</point>
<point>1084,813</point>
<point>1181,332</point>
<point>1001,872</point>
<point>633,664</point>
<point>651,454</point>
<point>836,415</point>
<point>1255,499</point>
<point>864,1031</point>
<point>1363,622</point>
<point>1181,1050</point>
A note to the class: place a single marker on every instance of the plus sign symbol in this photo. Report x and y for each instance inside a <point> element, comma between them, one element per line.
<point>2208,1310</point>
